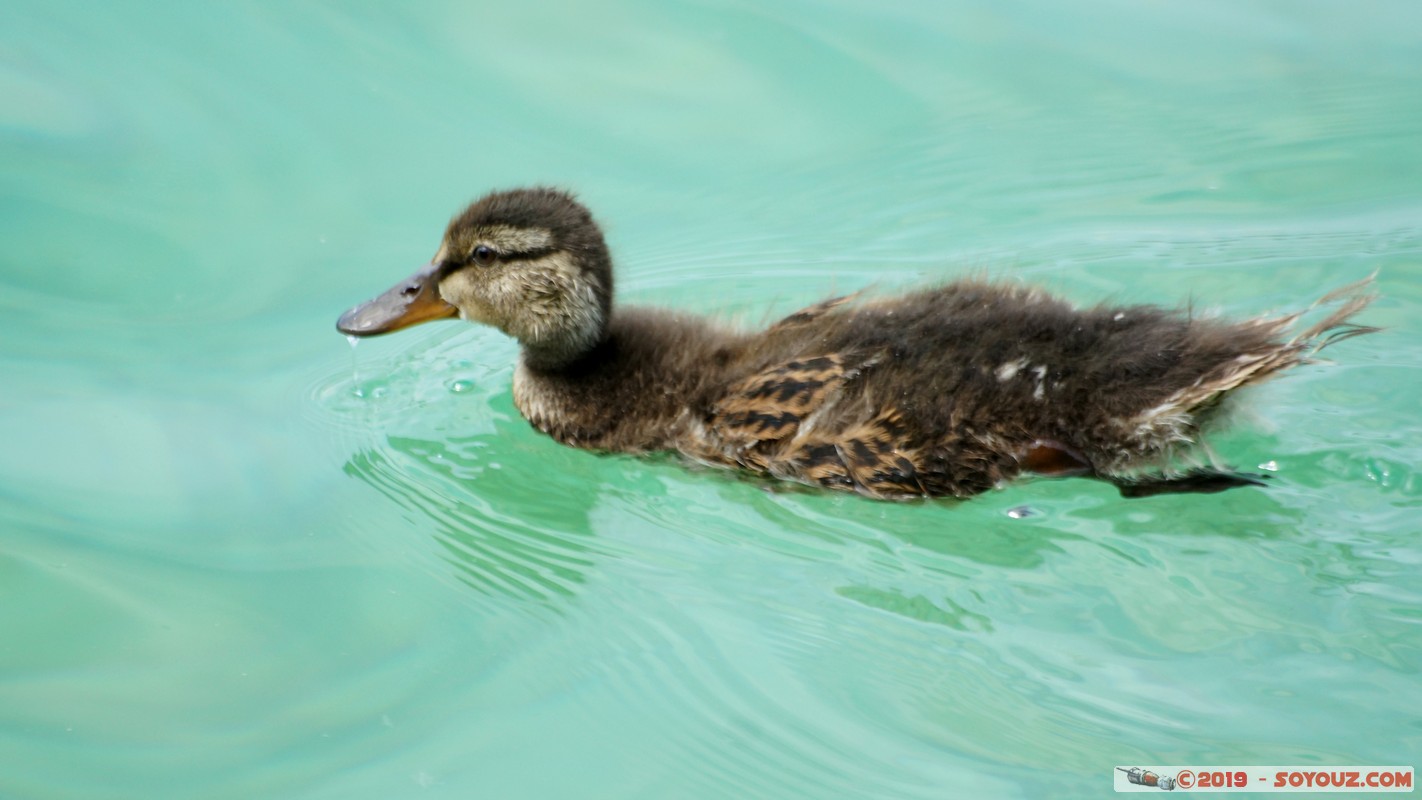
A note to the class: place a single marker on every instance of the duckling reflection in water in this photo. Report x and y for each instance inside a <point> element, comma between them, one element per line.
<point>948,390</point>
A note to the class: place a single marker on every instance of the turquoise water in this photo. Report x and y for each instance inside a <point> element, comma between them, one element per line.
<point>239,559</point>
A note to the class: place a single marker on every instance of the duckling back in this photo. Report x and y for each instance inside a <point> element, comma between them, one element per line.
<point>955,389</point>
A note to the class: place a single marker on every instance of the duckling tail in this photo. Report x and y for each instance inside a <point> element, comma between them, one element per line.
<point>1239,354</point>
<point>1336,327</point>
<point>1261,363</point>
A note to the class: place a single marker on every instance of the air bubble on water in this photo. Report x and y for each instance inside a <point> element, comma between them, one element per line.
<point>370,390</point>
<point>1021,512</point>
<point>1378,471</point>
<point>460,386</point>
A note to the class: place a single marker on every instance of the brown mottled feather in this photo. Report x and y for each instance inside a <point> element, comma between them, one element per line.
<point>879,455</point>
<point>769,422</point>
<point>766,409</point>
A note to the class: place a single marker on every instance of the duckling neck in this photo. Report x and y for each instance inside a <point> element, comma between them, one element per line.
<point>631,390</point>
<point>576,337</point>
<point>560,354</point>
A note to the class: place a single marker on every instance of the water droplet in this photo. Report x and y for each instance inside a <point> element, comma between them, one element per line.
<point>461,386</point>
<point>355,367</point>
<point>1021,512</point>
<point>1270,466</point>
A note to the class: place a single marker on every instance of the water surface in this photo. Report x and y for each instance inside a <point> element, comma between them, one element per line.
<point>239,560</point>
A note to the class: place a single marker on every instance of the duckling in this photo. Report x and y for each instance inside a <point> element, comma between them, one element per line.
<point>944,391</point>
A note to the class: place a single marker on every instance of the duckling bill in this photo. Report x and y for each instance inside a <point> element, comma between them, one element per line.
<point>947,390</point>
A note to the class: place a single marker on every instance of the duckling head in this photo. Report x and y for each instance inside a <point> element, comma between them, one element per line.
<point>530,262</point>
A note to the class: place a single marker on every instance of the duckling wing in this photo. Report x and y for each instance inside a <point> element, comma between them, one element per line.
<point>776,405</point>
<point>875,457</point>
<point>808,419</point>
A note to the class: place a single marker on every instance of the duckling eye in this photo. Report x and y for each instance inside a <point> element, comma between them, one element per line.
<point>485,255</point>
